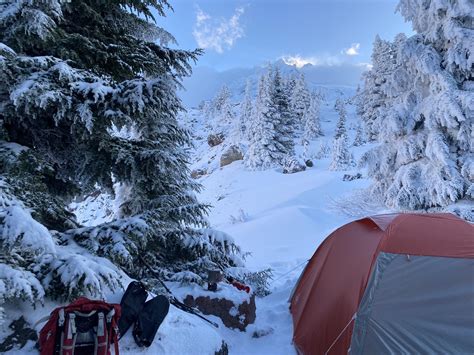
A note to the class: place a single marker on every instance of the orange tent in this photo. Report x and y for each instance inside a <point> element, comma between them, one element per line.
<point>398,283</point>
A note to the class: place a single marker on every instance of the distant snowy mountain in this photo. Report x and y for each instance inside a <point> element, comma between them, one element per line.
<point>205,82</point>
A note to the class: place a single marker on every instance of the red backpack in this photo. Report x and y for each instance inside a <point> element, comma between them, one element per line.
<point>83,327</point>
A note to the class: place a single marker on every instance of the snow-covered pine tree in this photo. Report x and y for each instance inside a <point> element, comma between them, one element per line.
<point>372,99</point>
<point>257,156</point>
<point>340,108</point>
<point>300,101</point>
<point>360,136</point>
<point>285,129</point>
<point>221,99</point>
<point>227,116</point>
<point>341,156</point>
<point>272,135</point>
<point>312,122</point>
<point>205,109</point>
<point>290,84</point>
<point>223,118</point>
<point>246,109</point>
<point>71,74</point>
<point>426,158</point>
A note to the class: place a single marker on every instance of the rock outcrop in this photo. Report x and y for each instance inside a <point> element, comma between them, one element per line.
<point>233,153</point>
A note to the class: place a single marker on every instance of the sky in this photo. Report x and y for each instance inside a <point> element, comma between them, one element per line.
<point>242,34</point>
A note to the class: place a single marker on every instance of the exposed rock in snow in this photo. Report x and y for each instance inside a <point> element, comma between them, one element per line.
<point>292,165</point>
<point>233,153</point>
<point>215,139</point>
<point>197,173</point>
<point>237,316</point>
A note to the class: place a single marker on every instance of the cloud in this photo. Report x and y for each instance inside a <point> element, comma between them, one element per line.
<point>353,49</point>
<point>217,34</point>
<point>299,61</point>
<point>366,66</point>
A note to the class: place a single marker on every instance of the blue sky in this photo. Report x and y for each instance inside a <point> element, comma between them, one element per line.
<point>248,33</point>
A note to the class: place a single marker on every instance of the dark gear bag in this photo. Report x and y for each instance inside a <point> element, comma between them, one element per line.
<point>150,319</point>
<point>132,303</point>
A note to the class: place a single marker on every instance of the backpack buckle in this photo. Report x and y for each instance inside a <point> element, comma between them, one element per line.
<point>62,317</point>
<point>72,326</point>
<point>110,315</point>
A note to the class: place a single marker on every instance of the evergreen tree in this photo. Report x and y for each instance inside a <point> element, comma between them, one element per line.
<point>71,75</point>
<point>290,84</point>
<point>312,123</point>
<point>300,101</point>
<point>226,116</point>
<point>258,156</point>
<point>359,138</point>
<point>341,156</point>
<point>372,99</point>
<point>246,111</point>
<point>223,118</point>
<point>284,127</point>
<point>221,100</point>
<point>272,137</point>
<point>426,156</point>
<point>340,108</point>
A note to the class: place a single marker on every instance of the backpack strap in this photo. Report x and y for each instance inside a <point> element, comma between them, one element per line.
<point>68,335</point>
<point>102,336</point>
<point>42,320</point>
<point>113,329</point>
<point>47,335</point>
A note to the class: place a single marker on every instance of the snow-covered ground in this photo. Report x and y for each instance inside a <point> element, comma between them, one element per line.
<point>288,217</point>
<point>280,219</point>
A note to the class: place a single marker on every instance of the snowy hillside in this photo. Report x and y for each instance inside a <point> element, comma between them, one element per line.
<point>279,218</point>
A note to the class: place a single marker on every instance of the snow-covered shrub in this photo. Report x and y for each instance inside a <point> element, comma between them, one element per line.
<point>258,281</point>
<point>351,177</point>
<point>187,277</point>
<point>292,165</point>
<point>241,217</point>
<point>324,150</point>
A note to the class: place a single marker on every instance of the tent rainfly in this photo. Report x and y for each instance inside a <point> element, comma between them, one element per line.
<point>397,283</point>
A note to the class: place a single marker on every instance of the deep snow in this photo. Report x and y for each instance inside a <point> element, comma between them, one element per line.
<point>280,219</point>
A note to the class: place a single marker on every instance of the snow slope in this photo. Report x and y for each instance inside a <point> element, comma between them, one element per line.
<point>280,219</point>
